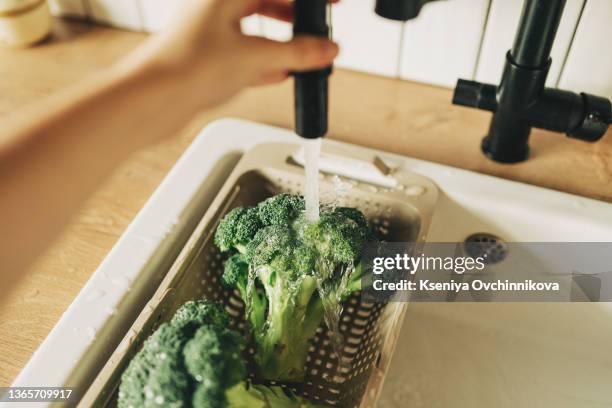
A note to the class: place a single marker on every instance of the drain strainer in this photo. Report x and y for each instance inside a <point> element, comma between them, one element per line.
<point>493,249</point>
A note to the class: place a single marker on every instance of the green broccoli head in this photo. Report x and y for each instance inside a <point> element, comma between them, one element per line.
<point>339,235</point>
<point>237,228</point>
<point>179,367</point>
<point>281,209</point>
<point>240,225</point>
<point>157,375</point>
<point>280,248</point>
<point>235,272</point>
<point>150,377</point>
<point>290,259</point>
<point>195,313</point>
<point>271,244</point>
<point>216,349</point>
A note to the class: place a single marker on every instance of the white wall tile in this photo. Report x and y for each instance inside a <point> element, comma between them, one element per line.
<point>74,8</point>
<point>119,13</point>
<point>251,25</point>
<point>276,30</point>
<point>589,63</point>
<point>442,43</point>
<point>368,42</point>
<point>157,13</point>
<point>499,36</point>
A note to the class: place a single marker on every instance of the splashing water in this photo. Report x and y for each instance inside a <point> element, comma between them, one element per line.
<point>249,291</point>
<point>312,150</point>
<point>331,285</point>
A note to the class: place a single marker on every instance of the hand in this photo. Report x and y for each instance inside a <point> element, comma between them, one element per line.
<point>202,59</point>
<point>206,51</point>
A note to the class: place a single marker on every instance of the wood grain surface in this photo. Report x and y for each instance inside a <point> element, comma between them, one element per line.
<point>397,116</point>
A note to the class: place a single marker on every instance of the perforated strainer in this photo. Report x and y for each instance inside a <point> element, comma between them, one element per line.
<point>369,330</point>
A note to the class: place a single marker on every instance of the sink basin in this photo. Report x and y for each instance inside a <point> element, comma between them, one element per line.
<point>506,354</point>
<point>449,354</point>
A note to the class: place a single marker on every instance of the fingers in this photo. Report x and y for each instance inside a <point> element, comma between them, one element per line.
<point>277,9</point>
<point>270,78</point>
<point>237,9</point>
<point>300,54</point>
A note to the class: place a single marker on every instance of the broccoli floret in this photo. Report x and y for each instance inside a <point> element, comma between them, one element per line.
<point>295,262</point>
<point>280,209</point>
<point>207,350</point>
<point>180,367</point>
<point>195,313</point>
<point>238,228</point>
<point>339,235</point>
<point>156,374</point>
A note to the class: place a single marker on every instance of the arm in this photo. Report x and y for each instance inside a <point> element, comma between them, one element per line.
<point>50,165</point>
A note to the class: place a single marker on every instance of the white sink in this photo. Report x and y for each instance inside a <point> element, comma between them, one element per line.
<point>506,354</point>
<point>450,354</point>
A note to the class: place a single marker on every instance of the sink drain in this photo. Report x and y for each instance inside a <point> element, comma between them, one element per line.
<point>493,249</point>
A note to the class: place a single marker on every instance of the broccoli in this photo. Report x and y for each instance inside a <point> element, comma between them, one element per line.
<point>236,275</point>
<point>300,267</point>
<point>196,361</point>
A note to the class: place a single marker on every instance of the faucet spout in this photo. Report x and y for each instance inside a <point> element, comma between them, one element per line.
<point>311,88</point>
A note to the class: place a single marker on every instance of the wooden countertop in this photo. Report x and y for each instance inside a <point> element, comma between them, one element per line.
<point>401,117</point>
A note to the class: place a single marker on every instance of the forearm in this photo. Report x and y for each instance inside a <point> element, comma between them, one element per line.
<point>62,150</point>
<point>50,165</point>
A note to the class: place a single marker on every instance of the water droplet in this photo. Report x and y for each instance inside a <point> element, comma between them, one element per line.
<point>95,294</point>
<point>146,239</point>
<point>121,281</point>
<point>91,333</point>
<point>111,311</point>
<point>415,191</point>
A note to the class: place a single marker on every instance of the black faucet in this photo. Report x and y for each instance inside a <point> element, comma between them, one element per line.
<point>521,101</point>
<point>311,87</point>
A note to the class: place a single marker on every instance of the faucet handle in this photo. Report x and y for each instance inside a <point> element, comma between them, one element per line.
<point>400,10</point>
<point>597,118</point>
<point>475,95</point>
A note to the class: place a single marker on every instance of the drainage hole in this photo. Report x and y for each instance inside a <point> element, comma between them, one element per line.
<point>493,249</point>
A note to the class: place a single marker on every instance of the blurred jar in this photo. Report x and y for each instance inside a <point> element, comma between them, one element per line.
<point>23,22</point>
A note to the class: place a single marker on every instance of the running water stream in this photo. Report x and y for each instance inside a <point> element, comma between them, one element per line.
<point>330,283</point>
<point>312,151</point>
<point>330,292</point>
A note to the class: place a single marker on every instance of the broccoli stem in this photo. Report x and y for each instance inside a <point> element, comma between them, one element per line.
<point>256,307</point>
<point>282,347</point>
